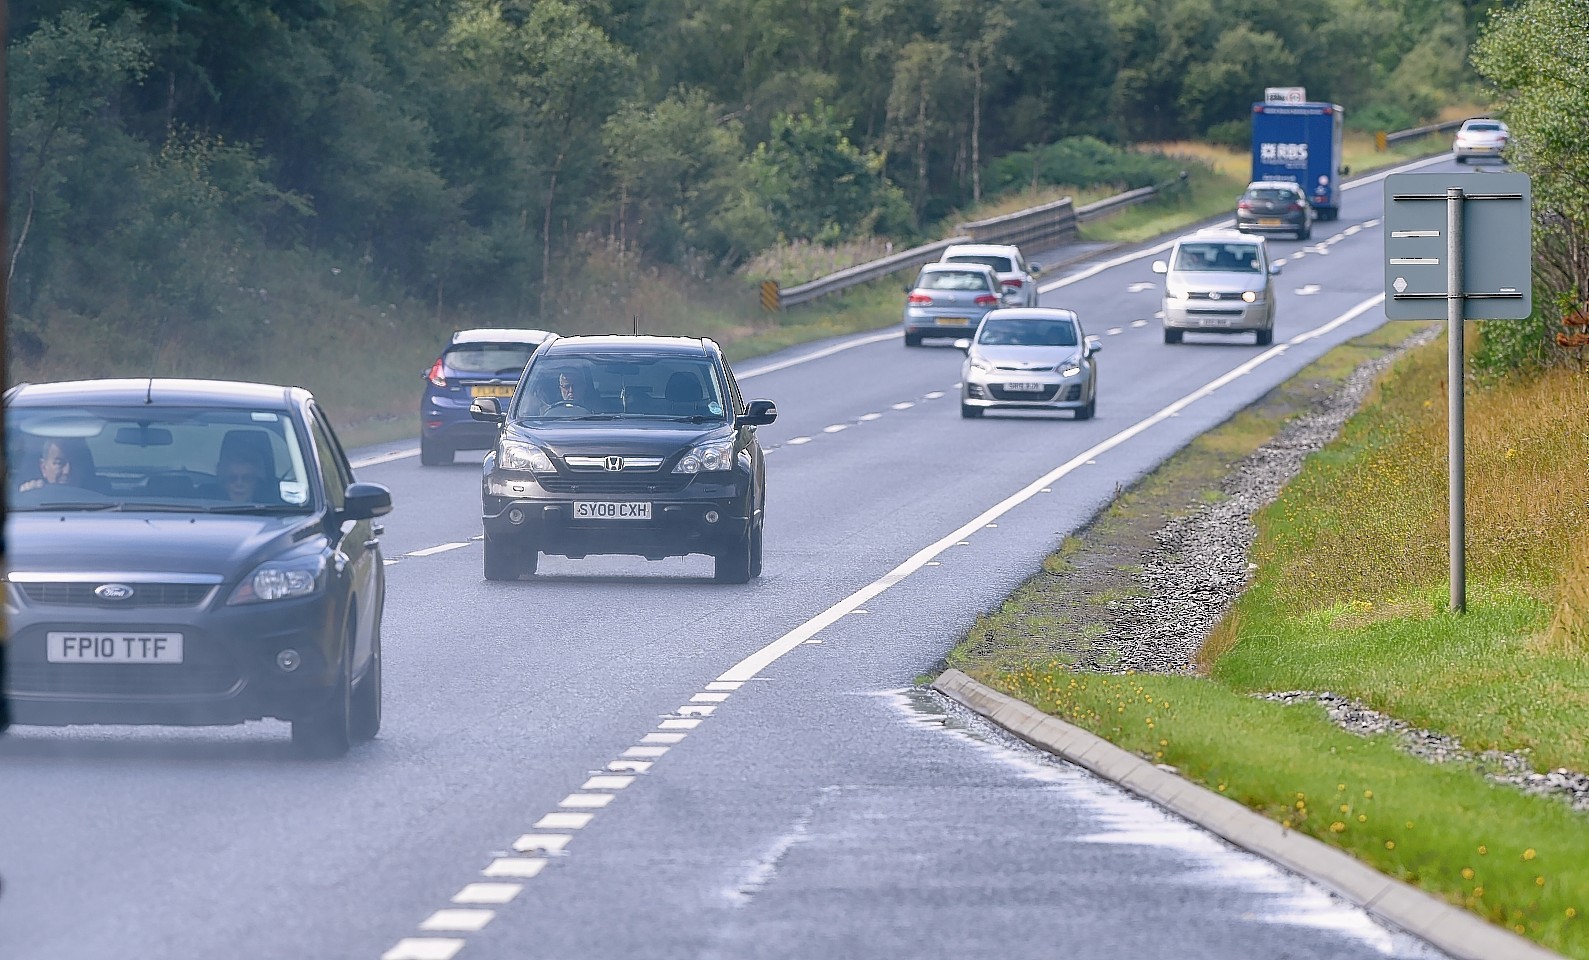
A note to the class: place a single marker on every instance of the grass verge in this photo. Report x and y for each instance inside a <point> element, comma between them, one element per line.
<point>1348,598</point>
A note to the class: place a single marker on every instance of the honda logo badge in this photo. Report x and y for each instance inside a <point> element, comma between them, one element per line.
<point>614,464</point>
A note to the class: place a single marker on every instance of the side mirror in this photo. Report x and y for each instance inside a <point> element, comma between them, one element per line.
<point>758,413</point>
<point>362,501</point>
<point>1159,266</point>
<point>963,345</point>
<point>1346,171</point>
<point>487,410</point>
<point>1036,268</point>
<point>1274,269</point>
<point>1093,345</point>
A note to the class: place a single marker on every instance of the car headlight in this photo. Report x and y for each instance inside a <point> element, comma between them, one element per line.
<point>981,365</point>
<point>1069,369</point>
<point>518,455</point>
<point>1249,296</point>
<point>708,457</point>
<point>281,580</point>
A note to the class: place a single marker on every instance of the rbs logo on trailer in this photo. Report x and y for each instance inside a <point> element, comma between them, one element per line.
<point>1283,152</point>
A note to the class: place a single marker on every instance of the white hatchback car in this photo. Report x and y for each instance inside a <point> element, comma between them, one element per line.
<point>1480,137</point>
<point>1017,277</point>
<point>1029,358</point>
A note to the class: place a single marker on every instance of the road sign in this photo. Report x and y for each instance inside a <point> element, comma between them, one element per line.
<point>1494,254</point>
<point>770,299</point>
<point>1285,95</point>
<point>1381,141</point>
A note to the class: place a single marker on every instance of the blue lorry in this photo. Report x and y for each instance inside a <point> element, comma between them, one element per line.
<point>1300,142</point>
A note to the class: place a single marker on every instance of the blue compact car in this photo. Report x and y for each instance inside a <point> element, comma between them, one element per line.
<point>476,363</point>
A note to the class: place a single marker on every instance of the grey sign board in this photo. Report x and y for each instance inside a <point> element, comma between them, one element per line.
<point>1496,253</point>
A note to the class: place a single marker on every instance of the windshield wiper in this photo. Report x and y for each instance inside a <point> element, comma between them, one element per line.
<point>698,418</point>
<point>587,416</point>
<point>95,505</point>
<point>253,508</point>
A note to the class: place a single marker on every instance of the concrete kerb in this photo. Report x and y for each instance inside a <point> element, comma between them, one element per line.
<point>1452,929</point>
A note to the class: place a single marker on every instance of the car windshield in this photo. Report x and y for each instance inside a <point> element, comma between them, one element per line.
<point>602,386</point>
<point>999,264</point>
<point>187,459</point>
<point>952,280</point>
<point>1276,194</point>
<point>488,359</point>
<point>1027,332</point>
<point>1233,257</point>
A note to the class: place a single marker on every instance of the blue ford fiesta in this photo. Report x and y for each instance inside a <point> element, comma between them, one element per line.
<point>475,363</point>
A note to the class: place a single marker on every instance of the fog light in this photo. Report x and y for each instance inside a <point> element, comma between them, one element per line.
<point>515,515</point>
<point>288,660</point>
<point>711,516</point>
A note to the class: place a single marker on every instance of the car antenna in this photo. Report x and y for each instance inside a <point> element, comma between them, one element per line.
<point>148,394</point>
<point>636,317</point>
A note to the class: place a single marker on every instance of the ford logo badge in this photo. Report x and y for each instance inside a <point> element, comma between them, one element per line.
<point>113,591</point>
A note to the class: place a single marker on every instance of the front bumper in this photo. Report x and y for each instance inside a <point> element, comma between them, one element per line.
<point>704,515</point>
<point>228,673</point>
<point>1215,316</point>
<point>990,390</point>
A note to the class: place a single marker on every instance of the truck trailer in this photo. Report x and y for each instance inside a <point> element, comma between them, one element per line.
<point>1300,142</point>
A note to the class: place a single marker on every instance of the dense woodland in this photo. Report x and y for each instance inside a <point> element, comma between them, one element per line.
<point>476,154</point>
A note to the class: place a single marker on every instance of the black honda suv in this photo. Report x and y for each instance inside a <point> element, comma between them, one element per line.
<point>625,445</point>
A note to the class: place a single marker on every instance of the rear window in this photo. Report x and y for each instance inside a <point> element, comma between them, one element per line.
<point>952,280</point>
<point>1487,127</point>
<point>1278,194</point>
<point>999,264</point>
<point>488,359</point>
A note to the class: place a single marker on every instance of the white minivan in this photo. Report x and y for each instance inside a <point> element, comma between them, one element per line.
<point>1219,281</point>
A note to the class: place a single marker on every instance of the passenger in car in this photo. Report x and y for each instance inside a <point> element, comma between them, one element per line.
<point>244,471</point>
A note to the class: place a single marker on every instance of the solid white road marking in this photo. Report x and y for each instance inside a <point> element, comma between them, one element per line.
<point>761,659</point>
<point>487,893</point>
<point>431,551</point>
<point>586,801</point>
<point>542,843</point>
<point>564,821</point>
<point>424,948</point>
<point>522,868</point>
<point>604,782</point>
<point>469,921</point>
<point>815,355</point>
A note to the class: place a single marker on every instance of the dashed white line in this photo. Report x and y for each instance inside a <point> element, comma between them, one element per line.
<point>424,948</point>
<point>605,782</point>
<point>695,710</point>
<point>679,724</point>
<point>709,697</point>
<point>797,441</point>
<point>1115,331</point>
<point>522,868</point>
<point>1139,323</point>
<point>868,417</point>
<point>651,752</point>
<point>564,821</point>
<point>722,685</point>
<point>629,766</point>
<point>933,396</point>
<point>541,843</point>
<point>487,893</point>
<point>432,551</point>
<point>668,738</point>
<point>468,921</point>
<point>835,428</point>
<point>903,405</point>
<point>586,801</point>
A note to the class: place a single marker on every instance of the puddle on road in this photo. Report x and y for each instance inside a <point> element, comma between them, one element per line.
<point>1210,861</point>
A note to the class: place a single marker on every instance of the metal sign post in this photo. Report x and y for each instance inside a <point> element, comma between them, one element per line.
<point>1487,252</point>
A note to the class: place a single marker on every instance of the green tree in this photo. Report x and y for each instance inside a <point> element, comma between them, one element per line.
<point>819,185</point>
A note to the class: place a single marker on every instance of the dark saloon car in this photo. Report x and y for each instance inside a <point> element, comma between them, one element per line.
<point>474,364</point>
<point>1275,206</point>
<point>640,446</point>
<point>190,552</point>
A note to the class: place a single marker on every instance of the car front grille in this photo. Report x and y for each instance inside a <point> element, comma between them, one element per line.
<point>143,595</point>
<point>642,483</point>
<point>999,393</point>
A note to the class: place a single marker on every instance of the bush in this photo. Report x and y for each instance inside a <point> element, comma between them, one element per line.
<point>1508,346</point>
<point>1380,116</point>
<point>1236,134</point>
<point>1078,162</point>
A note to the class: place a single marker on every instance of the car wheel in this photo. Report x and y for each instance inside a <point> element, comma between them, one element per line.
<point>434,453</point>
<point>1462,159</point>
<point>1085,413</point>
<point>912,339</point>
<point>508,561</point>
<point>366,719</point>
<point>969,412</point>
<point>733,565</point>
<point>1266,337</point>
<point>326,731</point>
<point>1172,336</point>
<point>755,551</point>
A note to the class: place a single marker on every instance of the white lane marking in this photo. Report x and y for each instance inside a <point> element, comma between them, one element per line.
<point>629,766</point>
<point>835,428</point>
<point>1139,323</point>
<point>933,396</point>
<point>797,441</point>
<point>1369,224</point>
<point>586,801</point>
<point>652,752</point>
<point>1308,289</point>
<point>678,724</point>
<point>604,782</point>
<point>761,659</point>
<point>521,868</point>
<point>479,537</point>
<point>1115,331</point>
<point>1140,287</point>
<point>487,893</point>
<point>709,697</point>
<point>542,842</point>
<point>424,948</point>
<point>388,561</point>
<point>564,821</point>
<point>695,710</point>
<point>431,551</point>
<point>720,685</point>
<point>384,458</point>
<point>669,738</point>
<point>468,921</point>
<point>869,417</point>
<point>816,355</point>
<point>906,405</point>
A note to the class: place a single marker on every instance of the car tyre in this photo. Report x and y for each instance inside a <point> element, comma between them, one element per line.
<point>755,551</point>
<point>1086,413</point>
<point>1306,233</point>
<point>326,731</point>
<point>733,565</point>
<point>912,339</point>
<point>1172,336</point>
<point>366,719</point>
<point>1266,337</point>
<point>434,453</point>
<point>507,561</point>
<point>969,412</point>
